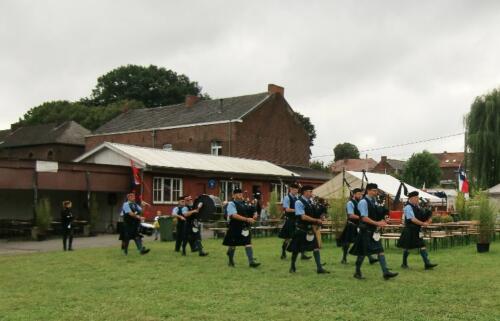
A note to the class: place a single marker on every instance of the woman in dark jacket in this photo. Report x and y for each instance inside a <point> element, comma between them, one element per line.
<point>67,225</point>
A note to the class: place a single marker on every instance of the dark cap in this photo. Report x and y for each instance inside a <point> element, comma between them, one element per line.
<point>294,185</point>
<point>306,188</point>
<point>237,191</point>
<point>371,186</point>
<point>356,190</point>
<point>412,194</point>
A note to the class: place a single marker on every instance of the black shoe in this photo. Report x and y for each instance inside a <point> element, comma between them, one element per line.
<point>230,264</point>
<point>293,270</point>
<point>359,276</point>
<point>145,251</point>
<point>183,253</point>
<point>344,261</point>
<point>203,253</point>
<point>405,266</point>
<point>373,261</point>
<point>283,256</point>
<point>305,257</point>
<point>323,271</point>
<point>177,250</point>
<point>388,275</point>
<point>254,264</point>
<point>70,249</point>
<point>430,266</point>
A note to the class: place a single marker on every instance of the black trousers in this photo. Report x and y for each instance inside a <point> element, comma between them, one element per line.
<point>67,238</point>
<point>180,235</point>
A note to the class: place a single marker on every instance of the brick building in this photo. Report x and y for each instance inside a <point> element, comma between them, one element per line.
<point>356,165</point>
<point>449,164</point>
<point>389,166</point>
<point>261,126</point>
<point>59,142</point>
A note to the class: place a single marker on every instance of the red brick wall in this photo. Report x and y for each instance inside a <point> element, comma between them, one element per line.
<point>60,152</point>
<point>269,133</point>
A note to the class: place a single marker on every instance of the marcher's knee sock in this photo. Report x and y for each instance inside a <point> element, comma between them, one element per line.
<point>249,251</point>
<point>230,254</point>
<point>425,256</point>
<point>198,246</point>
<point>317,259</point>
<point>294,259</point>
<point>283,247</point>
<point>138,244</point>
<point>406,253</point>
<point>383,263</point>
<point>70,242</point>
<point>359,262</point>
<point>345,248</point>
<point>64,242</point>
<point>125,247</point>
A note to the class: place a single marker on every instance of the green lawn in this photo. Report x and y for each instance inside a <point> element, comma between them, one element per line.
<point>101,284</point>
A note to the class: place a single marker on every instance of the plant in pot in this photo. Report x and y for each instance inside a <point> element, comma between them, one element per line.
<point>273,209</point>
<point>336,212</point>
<point>43,220</point>
<point>485,214</point>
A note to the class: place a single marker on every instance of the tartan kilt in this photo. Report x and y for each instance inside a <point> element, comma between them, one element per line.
<point>300,243</point>
<point>129,232</point>
<point>410,238</point>
<point>288,229</point>
<point>365,244</point>
<point>349,234</point>
<point>234,237</point>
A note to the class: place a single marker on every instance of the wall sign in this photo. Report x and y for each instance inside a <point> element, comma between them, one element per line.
<point>212,183</point>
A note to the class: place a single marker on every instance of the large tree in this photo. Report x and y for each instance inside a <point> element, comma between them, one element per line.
<point>345,151</point>
<point>153,86</point>
<point>90,117</point>
<point>422,168</point>
<point>319,165</point>
<point>483,140</point>
<point>308,126</point>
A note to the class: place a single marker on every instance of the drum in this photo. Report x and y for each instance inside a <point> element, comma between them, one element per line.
<point>146,229</point>
<point>211,205</point>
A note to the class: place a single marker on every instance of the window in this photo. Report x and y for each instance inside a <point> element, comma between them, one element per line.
<point>226,189</point>
<point>216,148</point>
<point>166,190</point>
<point>281,189</point>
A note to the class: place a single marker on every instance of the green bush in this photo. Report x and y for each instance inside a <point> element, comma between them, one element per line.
<point>273,210</point>
<point>486,216</point>
<point>43,215</point>
<point>460,206</point>
<point>337,213</point>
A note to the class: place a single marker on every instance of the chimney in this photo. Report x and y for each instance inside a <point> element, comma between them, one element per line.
<point>275,89</point>
<point>384,159</point>
<point>191,100</point>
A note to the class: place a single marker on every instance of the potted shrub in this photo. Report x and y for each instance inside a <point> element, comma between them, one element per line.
<point>485,214</point>
<point>273,210</point>
<point>43,220</point>
<point>337,213</point>
<point>460,206</point>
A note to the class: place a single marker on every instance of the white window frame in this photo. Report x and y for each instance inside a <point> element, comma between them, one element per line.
<point>216,148</point>
<point>226,189</point>
<point>282,190</point>
<point>175,186</point>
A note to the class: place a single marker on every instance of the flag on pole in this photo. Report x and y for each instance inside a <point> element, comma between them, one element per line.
<point>463,182</point>
<point>136,182</point>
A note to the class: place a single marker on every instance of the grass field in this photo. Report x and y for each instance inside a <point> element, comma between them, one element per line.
<point>101,284</point>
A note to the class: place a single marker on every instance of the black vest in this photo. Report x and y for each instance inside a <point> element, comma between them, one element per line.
<point>420,214</point>
<point>309,211</point>
<point>127,219</point>
<point>292,206</point>
<point>356,210</point>
<point>243,210</point>
<point>190,219</point>
<point>373,214</point>
<point>179,210</point>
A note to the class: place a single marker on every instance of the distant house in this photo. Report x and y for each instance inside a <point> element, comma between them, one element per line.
<point>355,165</point>
<point>261,126</point>
<point>389,166</point>
<point>4,133</point>
<point>53,142</point>
<point>449,164</point>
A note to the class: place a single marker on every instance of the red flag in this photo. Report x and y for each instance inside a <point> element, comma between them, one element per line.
<point>135,174</point>
<point>463,182</point>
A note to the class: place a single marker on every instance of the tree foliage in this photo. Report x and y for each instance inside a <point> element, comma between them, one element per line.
<point>483,140</point>
<point>153,86</point>
<point>308,126</point>
<point>90,117</point>
<point>319,165</point>
<point>422,168</point>
<point>345,151</point>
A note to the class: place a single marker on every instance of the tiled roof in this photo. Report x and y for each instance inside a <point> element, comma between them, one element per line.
<point>353,165</point>
<point>450,159</point>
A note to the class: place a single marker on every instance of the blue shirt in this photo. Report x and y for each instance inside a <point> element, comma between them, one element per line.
<point>126,208</point>
<point>231,209</point>
<point>363,206</point>
<point>175,211</point>
<point>408,211</point>
<point>300,207</point>
<point>185,209</point>
<point>286,201</point>
<point>350,208</point>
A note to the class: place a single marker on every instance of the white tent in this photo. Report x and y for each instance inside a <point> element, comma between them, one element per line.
<point>386,183</point>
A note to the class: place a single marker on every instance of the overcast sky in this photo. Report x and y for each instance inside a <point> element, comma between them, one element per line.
<point>374,73</point>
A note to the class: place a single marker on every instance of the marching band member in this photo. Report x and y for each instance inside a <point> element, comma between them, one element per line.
<point>192,227</point>
<point>131,212</point>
